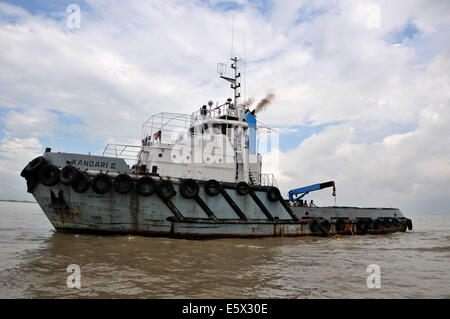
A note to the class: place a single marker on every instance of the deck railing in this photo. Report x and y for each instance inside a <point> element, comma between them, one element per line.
<point>266,179</point>
<point>130,152</point>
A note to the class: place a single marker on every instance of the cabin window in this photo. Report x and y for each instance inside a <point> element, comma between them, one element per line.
<point>154,169</point>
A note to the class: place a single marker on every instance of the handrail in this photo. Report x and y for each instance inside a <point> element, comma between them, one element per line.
<point>265,179</point>
<point>124,151</point>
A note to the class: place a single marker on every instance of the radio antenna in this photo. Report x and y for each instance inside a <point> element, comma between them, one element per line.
<point>232,35</point>
<point>245,68</point>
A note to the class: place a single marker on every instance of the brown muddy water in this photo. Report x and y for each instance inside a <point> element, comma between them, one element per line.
<point>34,259</point>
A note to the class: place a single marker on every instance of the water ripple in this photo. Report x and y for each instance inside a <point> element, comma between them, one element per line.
<point>34,261</point>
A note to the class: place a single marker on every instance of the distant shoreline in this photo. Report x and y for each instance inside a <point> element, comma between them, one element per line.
<point>17,201</point>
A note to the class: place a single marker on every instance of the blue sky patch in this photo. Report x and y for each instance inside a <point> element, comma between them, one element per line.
<point>3,112</point>
<point>309,13</point>
<point>365,134</point>
<point>73,143</point>
<point>263,6</point>
<point>406,32</point>
<point>54,9</point>
<point>228,5</point>
<point>67,119</point>
<point>36,7</point>
<point>297,134</point>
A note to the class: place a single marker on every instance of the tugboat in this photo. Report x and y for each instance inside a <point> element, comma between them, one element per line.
<point>194,175</point>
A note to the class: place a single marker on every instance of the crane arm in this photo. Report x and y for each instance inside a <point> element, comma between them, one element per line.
<point>302,191</point>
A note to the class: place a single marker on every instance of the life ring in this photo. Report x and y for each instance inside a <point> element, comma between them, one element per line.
<point>68,175</point>
<point>49,175</point>
<point>212,187</point>
<point>242,188</point>
<point>314,225</point>
<point>101,184</point>
<point>33,166</point>
<point>81,184</point>
<point>165,189</point>
<point>273,194</point>
<point>339,225</point>
<point>145,186</point>
<point>189,188</point>
<point>325,225</point>
<point>123,184</point>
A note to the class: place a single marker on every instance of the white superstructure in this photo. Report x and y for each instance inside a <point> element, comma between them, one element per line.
<point>215,142</point>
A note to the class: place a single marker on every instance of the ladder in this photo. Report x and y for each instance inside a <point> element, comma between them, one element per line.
<point>252,178</point>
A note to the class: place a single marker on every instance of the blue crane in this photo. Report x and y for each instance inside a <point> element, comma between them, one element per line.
<point>302,191</point>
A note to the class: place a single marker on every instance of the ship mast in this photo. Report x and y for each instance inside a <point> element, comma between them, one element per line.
<point>241,156</point>
<point>235,85</point>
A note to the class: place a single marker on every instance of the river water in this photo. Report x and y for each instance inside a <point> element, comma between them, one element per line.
<point>34,260</point>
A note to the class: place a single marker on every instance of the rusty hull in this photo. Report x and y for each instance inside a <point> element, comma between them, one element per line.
<point>135,214</point>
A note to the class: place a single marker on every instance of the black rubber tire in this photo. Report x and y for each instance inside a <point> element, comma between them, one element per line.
<point>395,222</point>
<point>81,185</point>
<point>165,190</point>
<point>409,223</point>
<point>101,184</point>
<point>212,187</point>
<point>361,226</point>
<point>376,224</point>
<point>339,225</point>
<point>146,186</point>
<point>33,166</point>
<point>325,225</point>
<point>31,184</point>
<point>242,188</point>
<point>273,194</point>
<point>189,188</point>
<point>49,175</point>
<point>387,223</point>
<point>123,184</point>
<point>68,175</point>
<point>314,225</point>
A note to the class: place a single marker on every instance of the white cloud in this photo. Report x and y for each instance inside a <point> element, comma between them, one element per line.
<point>128,61</point>
<point>14,155</point>
<point>31,122</point>
<point>409,170</point>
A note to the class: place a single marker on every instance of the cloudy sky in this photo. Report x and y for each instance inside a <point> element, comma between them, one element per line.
<point>362,87</point>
